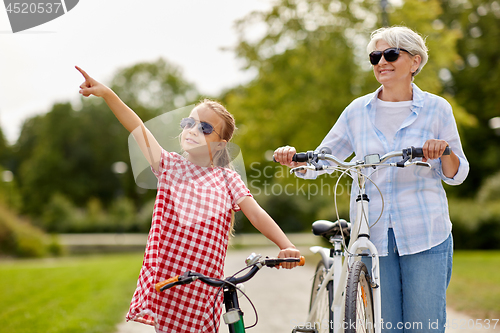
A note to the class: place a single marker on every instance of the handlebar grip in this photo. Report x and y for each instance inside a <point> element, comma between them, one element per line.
<point>302,261</point>
<point>418,152</point>
<point>300,157</point>
<point>161,284</point>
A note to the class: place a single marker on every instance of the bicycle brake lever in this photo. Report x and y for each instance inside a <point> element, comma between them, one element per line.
<point>424,164</point>
<point>418,163</point>
<point>303,167</point>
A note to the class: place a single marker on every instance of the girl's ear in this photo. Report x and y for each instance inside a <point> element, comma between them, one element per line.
<point>216,146</point>
<point>221,145</point>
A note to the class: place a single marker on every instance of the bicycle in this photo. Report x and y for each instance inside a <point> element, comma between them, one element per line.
<point>230,286</point>
<point>342,285</point>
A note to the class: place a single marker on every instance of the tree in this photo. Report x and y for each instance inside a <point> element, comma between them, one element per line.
<point>475,80</point>
<point>152,88</point>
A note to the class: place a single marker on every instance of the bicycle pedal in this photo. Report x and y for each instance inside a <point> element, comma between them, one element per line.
<point>299,329</point>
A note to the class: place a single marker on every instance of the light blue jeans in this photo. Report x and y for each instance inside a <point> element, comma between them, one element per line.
<point>413,288</point>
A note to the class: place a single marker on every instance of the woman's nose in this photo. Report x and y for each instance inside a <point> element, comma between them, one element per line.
<point>382,60</point>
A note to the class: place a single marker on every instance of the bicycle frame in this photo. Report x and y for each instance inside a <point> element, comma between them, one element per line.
<point>359,243</point>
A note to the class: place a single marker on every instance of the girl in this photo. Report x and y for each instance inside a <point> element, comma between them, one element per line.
<point>192,215</point>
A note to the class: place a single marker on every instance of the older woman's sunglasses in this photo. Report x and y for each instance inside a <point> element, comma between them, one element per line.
<point>391,54</point>
<point>203,127</point>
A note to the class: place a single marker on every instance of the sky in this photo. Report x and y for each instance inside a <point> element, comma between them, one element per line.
<point>102,36</point>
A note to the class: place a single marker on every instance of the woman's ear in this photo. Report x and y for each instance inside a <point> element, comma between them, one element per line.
<point>417,59</point>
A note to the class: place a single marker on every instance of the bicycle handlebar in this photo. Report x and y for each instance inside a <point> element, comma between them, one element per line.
<point>189,276</point>
<point>407,154</point>
<point>411,151</point>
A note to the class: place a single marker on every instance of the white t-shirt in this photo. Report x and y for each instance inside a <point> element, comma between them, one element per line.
<point>390,116</point>
<point>388,119</point>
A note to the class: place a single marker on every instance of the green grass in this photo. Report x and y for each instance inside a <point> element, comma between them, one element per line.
<point>74,294</point>
<point>475,284</point>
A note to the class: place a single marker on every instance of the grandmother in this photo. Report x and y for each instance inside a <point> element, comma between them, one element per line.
<point>413,236</point>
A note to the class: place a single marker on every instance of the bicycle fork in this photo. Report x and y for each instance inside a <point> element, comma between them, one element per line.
<point>360,241</point>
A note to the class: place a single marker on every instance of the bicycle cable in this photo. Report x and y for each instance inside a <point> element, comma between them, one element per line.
<point>367,177</point>
<point>242,292</point>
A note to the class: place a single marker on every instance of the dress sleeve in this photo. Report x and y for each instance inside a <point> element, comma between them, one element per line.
<point>237,188</point>
<point>167,159</point>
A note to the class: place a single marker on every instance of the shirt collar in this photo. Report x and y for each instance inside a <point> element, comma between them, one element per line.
<point>418,98</point>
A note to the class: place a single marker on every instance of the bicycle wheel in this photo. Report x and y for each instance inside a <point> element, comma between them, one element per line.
<point>358,300</point>
<point>323,317</point>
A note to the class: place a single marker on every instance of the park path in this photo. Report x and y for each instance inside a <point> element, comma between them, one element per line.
<point>281,298</point>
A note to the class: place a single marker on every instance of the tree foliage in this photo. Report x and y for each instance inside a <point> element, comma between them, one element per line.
<point>475,80</point>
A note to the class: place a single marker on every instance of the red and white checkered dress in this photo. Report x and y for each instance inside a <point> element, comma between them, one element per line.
<point>189,232</point>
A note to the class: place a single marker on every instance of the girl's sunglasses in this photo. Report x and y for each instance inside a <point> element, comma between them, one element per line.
<point>203,127</point>
<point>391,54</point>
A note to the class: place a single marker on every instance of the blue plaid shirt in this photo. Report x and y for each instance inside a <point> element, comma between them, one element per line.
<point>414,197</point>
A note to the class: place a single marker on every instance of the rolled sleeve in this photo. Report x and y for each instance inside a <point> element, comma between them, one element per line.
<point>449,133</point>
<point>463,171</point>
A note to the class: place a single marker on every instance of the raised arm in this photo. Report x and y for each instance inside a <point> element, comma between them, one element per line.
<point>127,117</point>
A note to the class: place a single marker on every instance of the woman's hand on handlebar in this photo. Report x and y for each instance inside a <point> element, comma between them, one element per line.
<point>284,155</point>
<point>289,252</point>
<point>433,149</point>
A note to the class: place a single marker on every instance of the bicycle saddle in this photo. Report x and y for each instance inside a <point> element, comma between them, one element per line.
<point>329,229</point>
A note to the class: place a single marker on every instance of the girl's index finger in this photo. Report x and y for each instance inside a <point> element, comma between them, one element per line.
<point>85,75</point>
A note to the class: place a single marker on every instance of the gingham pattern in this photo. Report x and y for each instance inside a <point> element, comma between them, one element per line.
<point>189,232</point>
<point>414,198</point>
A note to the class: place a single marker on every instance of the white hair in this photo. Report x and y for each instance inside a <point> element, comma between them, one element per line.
<point>401,37</point>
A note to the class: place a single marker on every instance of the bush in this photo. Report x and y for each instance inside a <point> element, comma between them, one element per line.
<point>122,215</point>
<point>490,190</point>
<point>62,216</point>
<point>296,212</point>
<point>59,215</point>
<point>476,225</point>
<point>20,238</point>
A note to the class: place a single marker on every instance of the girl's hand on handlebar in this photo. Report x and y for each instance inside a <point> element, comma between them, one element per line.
<point>289,252</point>
<point>433,149</point>
<point>91,86</point>
<point>284,155</point>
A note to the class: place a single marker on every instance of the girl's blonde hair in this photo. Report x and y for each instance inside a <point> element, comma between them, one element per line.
<point>401,37</point>
<point>222,157</point>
